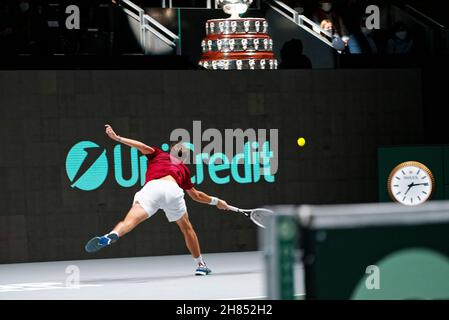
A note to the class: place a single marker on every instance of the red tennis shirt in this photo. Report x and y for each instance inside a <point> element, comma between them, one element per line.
<point>161,164</point>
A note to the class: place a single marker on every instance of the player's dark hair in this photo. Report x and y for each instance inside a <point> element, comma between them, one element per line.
<point>174,143</point>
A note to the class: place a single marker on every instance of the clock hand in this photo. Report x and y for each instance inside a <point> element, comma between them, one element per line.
<point>421,184</point>
<point>409,187</point>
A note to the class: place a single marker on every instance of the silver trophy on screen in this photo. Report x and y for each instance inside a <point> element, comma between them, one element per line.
<point>237,43</point>
<point>234,7</point>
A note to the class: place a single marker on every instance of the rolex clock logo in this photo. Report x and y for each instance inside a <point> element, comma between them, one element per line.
<point>86,165</point>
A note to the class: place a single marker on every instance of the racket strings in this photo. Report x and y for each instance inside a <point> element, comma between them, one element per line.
<point>260,216</point>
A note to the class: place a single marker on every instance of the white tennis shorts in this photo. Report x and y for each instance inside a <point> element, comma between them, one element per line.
<point>162,194</point>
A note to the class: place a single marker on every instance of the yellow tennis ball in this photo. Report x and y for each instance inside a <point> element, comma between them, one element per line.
<point>301,142</point>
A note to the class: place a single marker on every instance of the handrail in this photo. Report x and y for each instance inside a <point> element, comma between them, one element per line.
<point>424,16</point>
<point>150,24</point>
<point>132,14</point>
<point>302,21</point>
<point>286,7</point>
<point>154,22</point>
<point>132,5</point>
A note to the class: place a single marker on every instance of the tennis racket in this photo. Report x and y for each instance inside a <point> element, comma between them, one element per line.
<point>258,215</point>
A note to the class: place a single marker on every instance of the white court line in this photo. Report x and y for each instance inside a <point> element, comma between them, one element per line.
<point>260,297</point>
<point>36,286</point>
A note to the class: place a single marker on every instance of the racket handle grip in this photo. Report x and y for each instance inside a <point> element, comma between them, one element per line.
<point>235,209</point>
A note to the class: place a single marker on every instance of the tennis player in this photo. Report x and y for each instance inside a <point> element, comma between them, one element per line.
<point>167,178</point>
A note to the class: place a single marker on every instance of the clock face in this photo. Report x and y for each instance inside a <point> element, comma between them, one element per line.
<point>411,183</point>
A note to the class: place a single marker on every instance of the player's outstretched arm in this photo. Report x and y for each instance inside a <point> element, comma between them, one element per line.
<point>202,197</point>
<point>142,147</point>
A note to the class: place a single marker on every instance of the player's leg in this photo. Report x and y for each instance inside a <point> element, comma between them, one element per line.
<point>134,217</point>
<point>190,236</point>
<point>145,204</point>
<point>192,244</point>
<point>176,210</point>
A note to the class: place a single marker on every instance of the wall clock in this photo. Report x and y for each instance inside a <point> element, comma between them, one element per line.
<point>411,183</point>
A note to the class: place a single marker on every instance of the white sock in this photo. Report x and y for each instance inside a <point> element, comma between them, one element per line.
<point>199,260</point>
<point>113,232</point>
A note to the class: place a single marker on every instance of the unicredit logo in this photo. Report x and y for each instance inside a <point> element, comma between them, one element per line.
<point>86,165</point>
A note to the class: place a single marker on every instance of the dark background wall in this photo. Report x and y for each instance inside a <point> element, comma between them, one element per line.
<point>344,115</point>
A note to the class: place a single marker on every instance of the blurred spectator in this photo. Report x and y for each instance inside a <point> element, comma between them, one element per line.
<point>8,30</point>
<point>352,12</point>
<point>32,27</point>
<point>400,41</point>
<point>24,6</point>
<point>327,25</point>
<point>325,11</point>
<point>24,24</point>
<point>362,41</point>
<point>299,6</point>
<point>292,56</point>
<point>337,42</point>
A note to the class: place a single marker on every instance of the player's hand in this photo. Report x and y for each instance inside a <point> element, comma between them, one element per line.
<point>222,205</point>
<point>110,132</point>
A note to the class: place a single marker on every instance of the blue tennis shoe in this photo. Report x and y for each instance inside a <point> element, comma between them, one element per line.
<point>97,243</point>
<point>202,270</point>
